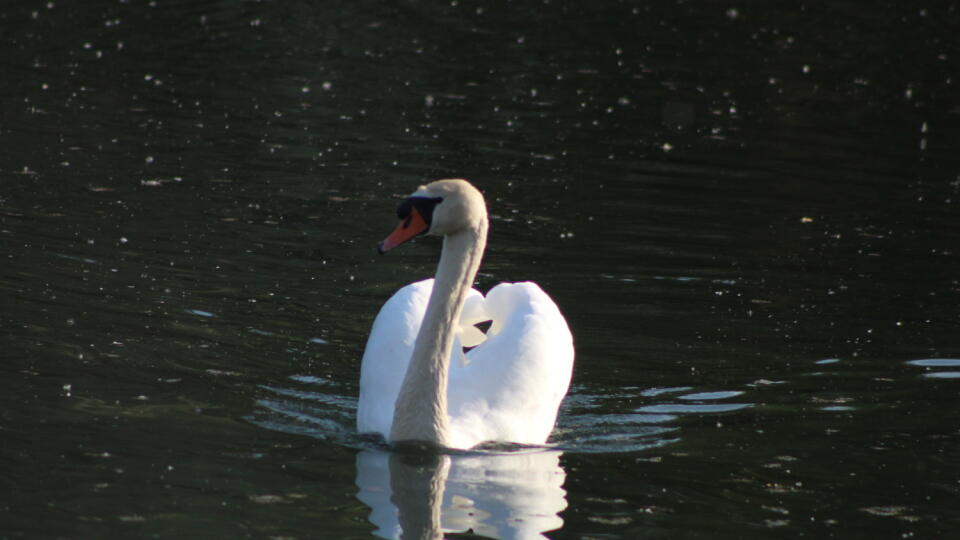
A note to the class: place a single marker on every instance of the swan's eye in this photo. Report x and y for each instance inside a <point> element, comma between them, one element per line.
<point>424,206</point>
<point>403,211</point>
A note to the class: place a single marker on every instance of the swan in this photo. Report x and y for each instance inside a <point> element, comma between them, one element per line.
<point>417,385</point>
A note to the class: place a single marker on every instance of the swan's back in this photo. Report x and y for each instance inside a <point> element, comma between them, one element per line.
<point>514,381</point>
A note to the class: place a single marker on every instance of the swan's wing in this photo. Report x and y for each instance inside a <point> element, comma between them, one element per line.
<point>513,383</point>
<point>387,355</point>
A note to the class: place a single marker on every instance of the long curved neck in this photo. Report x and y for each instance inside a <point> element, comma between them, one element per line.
<point>420,413</point>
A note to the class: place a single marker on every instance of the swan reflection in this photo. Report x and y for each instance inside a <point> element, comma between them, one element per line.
<point>424,495</point>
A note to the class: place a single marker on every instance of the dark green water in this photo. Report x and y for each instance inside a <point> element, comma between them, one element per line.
<point>748,214</point>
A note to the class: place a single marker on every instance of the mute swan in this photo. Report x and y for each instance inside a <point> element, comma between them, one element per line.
<point>416,382</point>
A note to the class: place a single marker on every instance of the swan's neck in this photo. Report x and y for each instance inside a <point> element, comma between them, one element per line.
<point>420,414</point>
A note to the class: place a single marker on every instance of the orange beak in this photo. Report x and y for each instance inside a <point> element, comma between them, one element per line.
<point>412,226</point>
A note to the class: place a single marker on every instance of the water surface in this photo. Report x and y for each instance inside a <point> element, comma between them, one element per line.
<point>747,214</point>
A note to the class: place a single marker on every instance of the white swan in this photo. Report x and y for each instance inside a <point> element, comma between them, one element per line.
<point>417,384</point>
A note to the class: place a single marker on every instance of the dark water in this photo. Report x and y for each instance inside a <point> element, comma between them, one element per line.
<point>747,213</point>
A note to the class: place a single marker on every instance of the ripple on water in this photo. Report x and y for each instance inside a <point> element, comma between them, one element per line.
<point>311,379</point>
<point>302,422</point>
<point>705,403</point>
<point>932,363</point>
<point>588,423</point>
<point>936,362</point>
<point>693,408</point>
<point>584,432</point>
<point>704,396</point>
<point>311,406</point>
<point>659,391</point>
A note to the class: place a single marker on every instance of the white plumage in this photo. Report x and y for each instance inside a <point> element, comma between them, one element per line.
<point>507,388</point>
<point>416,382</point>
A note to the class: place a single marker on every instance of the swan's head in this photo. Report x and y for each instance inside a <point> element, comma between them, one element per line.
<point>439,208</point>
